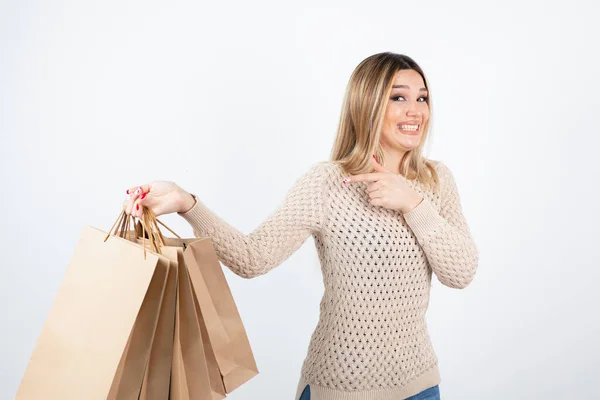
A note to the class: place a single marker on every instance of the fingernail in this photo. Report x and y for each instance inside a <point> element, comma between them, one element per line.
<point>374,157</point>
<point>138,191</point>
<point>144,195</point>
<point>137,207</point>
<point>346,180</point>
<point>127,191</point>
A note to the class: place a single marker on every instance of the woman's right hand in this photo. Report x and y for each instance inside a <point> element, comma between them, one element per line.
<point>162,197</point>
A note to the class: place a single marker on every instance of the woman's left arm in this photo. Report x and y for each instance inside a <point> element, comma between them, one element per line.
<point>445,236</point>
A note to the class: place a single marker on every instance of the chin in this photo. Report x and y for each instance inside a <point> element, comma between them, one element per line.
<point>410,145</point>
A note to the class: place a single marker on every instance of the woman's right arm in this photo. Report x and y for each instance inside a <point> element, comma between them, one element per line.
<point>275,239</point>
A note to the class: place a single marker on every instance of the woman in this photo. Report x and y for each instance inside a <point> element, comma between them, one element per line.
<point>383,218</point>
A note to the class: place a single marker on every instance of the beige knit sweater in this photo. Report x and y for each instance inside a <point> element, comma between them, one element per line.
<point>371,341</point>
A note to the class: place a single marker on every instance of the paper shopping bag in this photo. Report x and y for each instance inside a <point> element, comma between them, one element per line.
<point>224,335</point>
<point>194,369</point>
<point>131,370</point>
<point>89,324</point>
<point>194,365</point>
<point>146,362</point>
<point>225,328</point>
<point>155,385</point>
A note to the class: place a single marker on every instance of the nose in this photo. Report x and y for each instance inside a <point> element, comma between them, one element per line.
<point>413,110</point>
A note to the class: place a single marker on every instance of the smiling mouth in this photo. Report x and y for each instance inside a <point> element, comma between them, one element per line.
<point>409,129</point>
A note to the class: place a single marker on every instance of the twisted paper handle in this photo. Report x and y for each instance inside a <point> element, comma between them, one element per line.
<point>149,224</point>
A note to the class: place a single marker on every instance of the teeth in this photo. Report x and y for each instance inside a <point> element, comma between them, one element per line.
<point>408,127</point>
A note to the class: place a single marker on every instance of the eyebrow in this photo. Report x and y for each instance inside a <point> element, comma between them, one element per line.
<point>407,87</point>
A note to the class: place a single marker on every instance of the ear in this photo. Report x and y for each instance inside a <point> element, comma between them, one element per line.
<point>378,167</point>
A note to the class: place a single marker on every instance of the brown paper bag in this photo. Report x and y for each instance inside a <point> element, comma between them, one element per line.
<point>144,370</point>
<point>131,370</point>
<point>225,341</point>
<point>225,328</point>
<point>202,377</point>
<point>215,377</point>
<point>87,329</point>
<point>155,385</point>
<point>194,369</point>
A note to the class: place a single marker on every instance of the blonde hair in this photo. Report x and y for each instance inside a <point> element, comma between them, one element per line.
<point>362,115</point>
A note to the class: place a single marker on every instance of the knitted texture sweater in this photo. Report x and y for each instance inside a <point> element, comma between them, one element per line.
<point>371,341</point>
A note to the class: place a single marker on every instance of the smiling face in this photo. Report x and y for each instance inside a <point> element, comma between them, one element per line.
<point>406,113</point>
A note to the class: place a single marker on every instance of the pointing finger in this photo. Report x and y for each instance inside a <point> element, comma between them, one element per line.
<point>372,177</point>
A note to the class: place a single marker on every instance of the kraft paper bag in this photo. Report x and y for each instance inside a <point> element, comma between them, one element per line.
<point>134,361</point>
<point>224,337</point>
<point>85,334</point>
<point>179,388</point>
<point>202,377</point>
<point>225,328</point>
<point>155,385</point>
<point>194,369</point>
<point>216,380</point>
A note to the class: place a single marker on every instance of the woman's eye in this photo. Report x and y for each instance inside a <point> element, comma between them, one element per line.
<point>425,98</point>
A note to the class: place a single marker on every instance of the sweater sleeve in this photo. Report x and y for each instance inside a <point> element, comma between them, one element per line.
<point>445,236</point>
<point>299,215</point>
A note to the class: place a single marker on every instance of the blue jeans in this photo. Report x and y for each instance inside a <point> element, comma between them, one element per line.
<point>433,393</point>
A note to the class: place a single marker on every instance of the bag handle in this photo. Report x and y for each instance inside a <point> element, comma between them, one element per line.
<point>149,224</point>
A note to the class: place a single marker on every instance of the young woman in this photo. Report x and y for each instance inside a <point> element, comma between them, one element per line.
<point>383,218</point>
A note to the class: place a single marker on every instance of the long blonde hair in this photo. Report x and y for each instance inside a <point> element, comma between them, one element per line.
<point>362,115</point>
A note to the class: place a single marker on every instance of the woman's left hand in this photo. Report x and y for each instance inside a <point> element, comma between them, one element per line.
<point>388,189</point>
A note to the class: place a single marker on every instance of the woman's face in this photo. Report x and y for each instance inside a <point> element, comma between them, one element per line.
<point>406,110</point>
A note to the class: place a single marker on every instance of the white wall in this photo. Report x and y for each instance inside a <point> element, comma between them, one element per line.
<point>235,101</point>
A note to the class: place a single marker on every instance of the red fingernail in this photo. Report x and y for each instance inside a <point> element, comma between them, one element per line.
<point>137,207</point>
<point>374,157</point>
<point>127,191</point>
<point>144,195</point>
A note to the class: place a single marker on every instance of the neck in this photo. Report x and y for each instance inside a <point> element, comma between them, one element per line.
<point>392,160</point>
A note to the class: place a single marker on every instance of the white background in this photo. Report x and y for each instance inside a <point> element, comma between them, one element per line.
<point>234,101</point>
